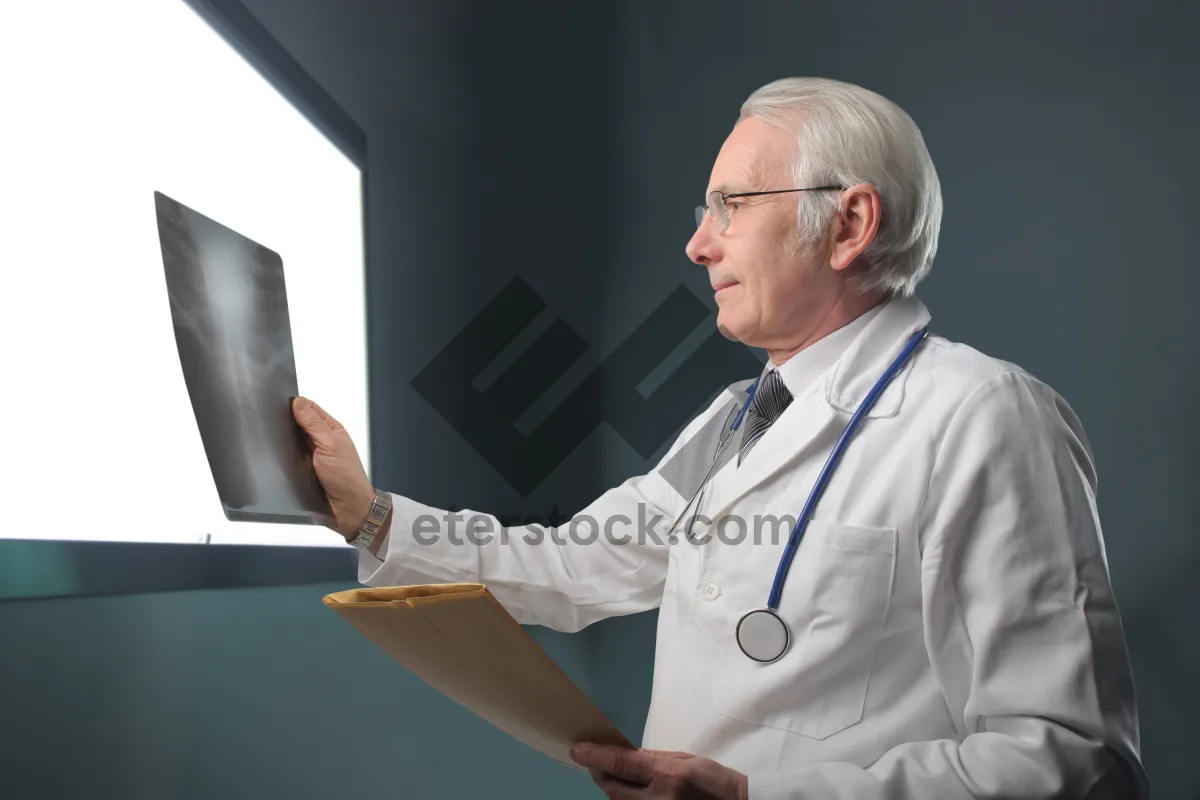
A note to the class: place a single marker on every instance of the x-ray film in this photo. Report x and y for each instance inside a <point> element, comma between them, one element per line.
<point>230,313</point>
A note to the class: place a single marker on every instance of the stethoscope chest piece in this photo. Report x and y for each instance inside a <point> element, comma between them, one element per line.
<point>763,635</point>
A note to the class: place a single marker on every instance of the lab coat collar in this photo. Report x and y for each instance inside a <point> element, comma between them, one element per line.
<point>870,354</point>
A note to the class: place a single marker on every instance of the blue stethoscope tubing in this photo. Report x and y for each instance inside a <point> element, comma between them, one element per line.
<point>818,489</point>
<point>761,633</point>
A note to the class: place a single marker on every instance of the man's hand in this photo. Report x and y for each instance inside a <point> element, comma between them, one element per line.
<point>337,465</point>
<point>626,774</point>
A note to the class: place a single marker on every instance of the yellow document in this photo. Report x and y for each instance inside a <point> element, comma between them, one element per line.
<point>459,639</point>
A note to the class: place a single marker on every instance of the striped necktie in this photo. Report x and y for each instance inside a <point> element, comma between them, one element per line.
<point>769,402</point>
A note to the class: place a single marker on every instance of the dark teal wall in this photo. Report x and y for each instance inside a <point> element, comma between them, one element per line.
<point>237,694</point>
<point>568,148</point>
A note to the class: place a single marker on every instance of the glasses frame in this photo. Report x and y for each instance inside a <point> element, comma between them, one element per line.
<point>717,199</point>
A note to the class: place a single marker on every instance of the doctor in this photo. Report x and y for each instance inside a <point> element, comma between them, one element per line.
<point>887,578</point>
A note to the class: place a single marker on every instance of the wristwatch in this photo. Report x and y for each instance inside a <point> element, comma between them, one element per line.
<point>380,507</point>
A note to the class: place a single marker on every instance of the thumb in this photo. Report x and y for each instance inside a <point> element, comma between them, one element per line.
<point>305,412</point>
<point>668,753</point>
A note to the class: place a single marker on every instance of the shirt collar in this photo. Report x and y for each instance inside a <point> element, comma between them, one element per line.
<point>803,369</point>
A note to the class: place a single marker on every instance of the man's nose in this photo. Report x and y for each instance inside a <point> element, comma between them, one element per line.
<point>700,248</point>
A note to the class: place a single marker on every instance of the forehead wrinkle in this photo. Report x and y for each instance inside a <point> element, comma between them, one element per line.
<point>770,167</point>
<point>743,176</point>
<point>754,156</point>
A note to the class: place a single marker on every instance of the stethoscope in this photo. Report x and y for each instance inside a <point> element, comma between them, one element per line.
<point>761,633</point>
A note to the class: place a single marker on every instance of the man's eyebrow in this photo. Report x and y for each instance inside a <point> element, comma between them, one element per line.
<point>739,185</point>
<point>739,192</point>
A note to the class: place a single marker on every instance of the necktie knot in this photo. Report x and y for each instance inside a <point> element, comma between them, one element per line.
<point>770,400</point>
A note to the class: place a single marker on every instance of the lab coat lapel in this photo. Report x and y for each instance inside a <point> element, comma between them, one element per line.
<point>790,437</point>
<point>685,470</point>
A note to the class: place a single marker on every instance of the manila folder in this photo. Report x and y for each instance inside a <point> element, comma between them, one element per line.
<point>459,639</point>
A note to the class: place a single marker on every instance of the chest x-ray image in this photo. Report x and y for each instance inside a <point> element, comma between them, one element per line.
<point>230,314</point>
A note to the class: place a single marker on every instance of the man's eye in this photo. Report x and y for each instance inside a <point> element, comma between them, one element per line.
<point>733,204</point>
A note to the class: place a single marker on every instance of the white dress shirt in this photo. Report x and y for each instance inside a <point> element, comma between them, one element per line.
<point>804,368</point>
<point>955,632</point>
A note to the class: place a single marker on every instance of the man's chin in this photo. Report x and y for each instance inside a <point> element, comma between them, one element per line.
<point>726,331</point>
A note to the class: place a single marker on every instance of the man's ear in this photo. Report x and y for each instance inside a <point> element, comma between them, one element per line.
<point>856,226</point>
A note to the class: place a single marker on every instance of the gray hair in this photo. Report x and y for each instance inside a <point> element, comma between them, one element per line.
<point>846,135</point>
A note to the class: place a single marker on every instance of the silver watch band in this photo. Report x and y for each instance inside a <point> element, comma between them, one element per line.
<point>380,507</point>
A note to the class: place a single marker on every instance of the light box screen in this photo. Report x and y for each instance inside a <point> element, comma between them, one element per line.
<point>107,103</point>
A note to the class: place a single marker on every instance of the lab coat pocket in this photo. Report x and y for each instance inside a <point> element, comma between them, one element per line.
<point>835,602</point>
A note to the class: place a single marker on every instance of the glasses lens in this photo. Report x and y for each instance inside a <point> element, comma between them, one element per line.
<point>700,211</point>
<point>716,207</point>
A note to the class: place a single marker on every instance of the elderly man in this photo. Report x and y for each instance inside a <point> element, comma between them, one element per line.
<point>939,621</point>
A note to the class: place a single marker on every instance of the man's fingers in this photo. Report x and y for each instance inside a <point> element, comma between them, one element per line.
<point>632,765</point>
<point>615,788</point>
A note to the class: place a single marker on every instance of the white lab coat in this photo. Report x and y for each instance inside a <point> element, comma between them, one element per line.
<point>955,630</point>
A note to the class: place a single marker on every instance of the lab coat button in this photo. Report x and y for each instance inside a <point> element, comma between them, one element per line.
<point>711,591</point>
<point>699,527</point>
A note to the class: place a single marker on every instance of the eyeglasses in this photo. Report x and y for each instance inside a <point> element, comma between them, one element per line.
<point>720,212</point>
